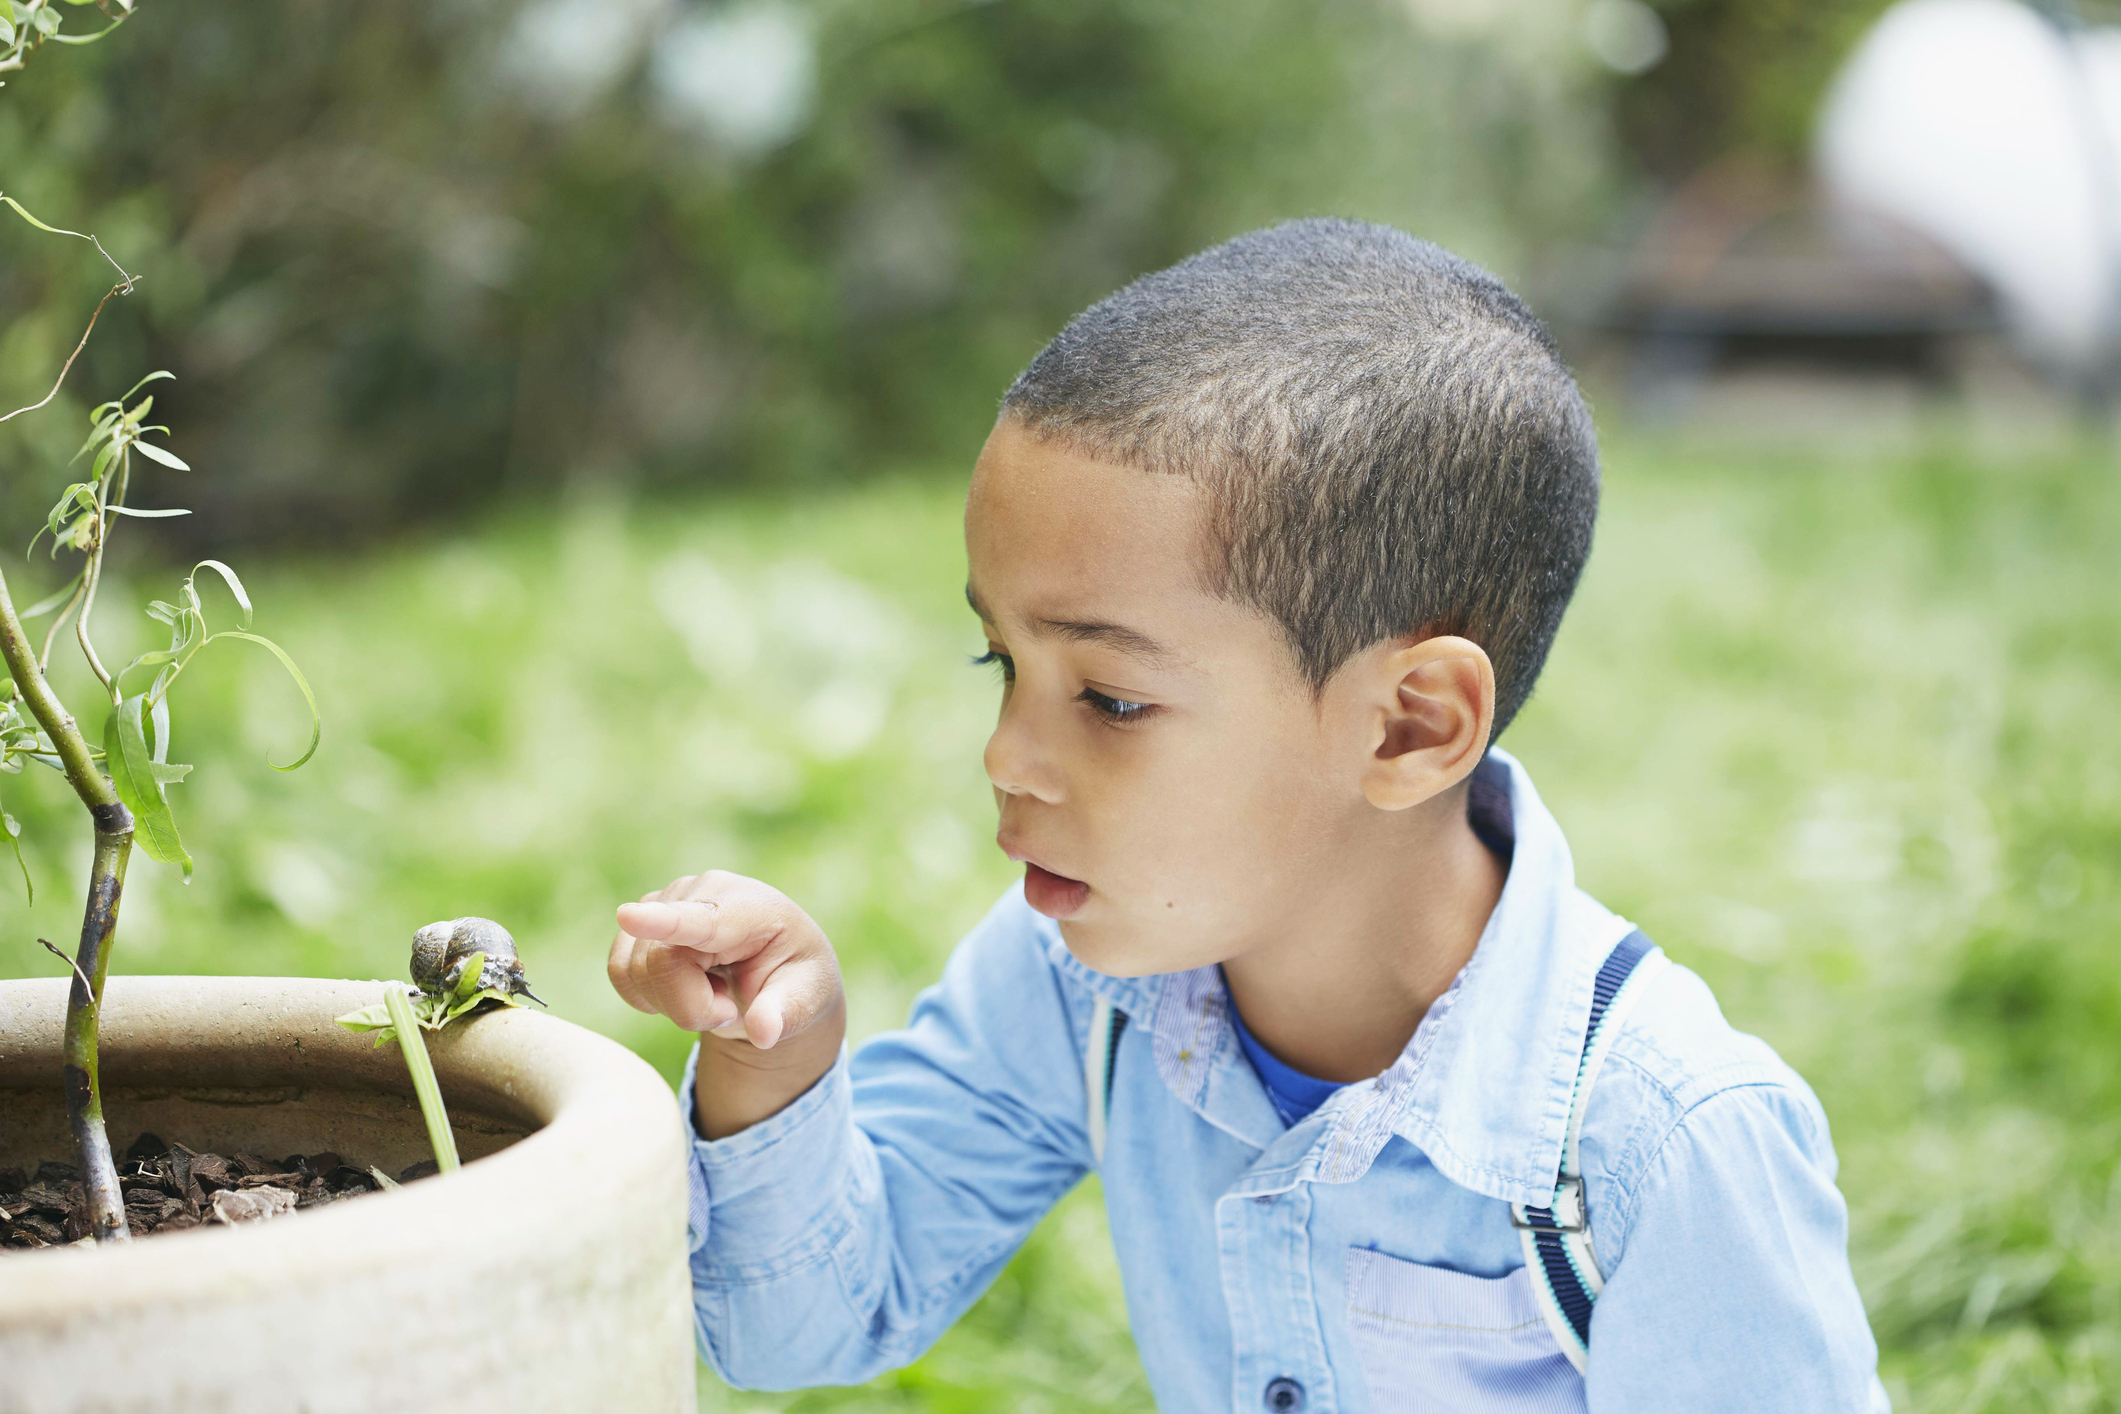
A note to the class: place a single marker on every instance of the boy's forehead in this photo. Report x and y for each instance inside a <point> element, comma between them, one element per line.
<point>1052,533</point>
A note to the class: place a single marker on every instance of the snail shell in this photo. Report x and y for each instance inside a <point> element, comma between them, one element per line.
<point>440,950</point>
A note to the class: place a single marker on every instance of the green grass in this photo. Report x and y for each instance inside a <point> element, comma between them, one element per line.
<point>1839,731</point>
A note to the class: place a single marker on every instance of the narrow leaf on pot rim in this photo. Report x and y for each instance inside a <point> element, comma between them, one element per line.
<point>468,983</point>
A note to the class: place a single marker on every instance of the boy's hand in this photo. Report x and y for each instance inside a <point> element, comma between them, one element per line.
<point>738,962</point>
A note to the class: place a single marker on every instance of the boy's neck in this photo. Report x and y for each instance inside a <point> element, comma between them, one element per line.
<point>1339,992</point>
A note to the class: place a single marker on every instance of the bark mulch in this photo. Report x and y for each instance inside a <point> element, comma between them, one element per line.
<point>169,1187</point>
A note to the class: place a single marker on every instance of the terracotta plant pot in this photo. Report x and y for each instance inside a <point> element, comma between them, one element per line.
<point>547,1274</point>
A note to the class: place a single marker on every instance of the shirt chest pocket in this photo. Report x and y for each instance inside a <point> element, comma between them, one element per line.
<point>1435,1341</point>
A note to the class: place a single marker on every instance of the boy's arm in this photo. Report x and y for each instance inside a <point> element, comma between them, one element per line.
<point>844,1233</point>
<point>1733,1291</point>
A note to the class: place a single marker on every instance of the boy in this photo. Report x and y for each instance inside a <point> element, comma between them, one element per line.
<point>1268,548</point>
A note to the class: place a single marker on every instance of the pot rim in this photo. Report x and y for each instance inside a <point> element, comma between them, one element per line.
<point>595,1105</point>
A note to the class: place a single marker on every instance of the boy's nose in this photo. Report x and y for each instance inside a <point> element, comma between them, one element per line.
<point>1016,765</point>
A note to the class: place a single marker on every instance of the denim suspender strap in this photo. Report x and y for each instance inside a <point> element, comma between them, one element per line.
<point>1557,1238</point>
<point>1106,1023</point>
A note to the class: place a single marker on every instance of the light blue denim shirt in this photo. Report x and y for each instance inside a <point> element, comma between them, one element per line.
<point>1361,1260</point>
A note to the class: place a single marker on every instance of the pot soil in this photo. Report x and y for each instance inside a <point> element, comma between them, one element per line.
<point>169,1188</point>
<point>547,1274</point>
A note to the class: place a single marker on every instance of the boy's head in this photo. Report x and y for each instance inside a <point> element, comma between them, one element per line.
<point>1318,498</point>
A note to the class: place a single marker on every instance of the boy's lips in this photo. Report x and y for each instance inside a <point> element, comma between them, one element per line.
<point>1055,895</point>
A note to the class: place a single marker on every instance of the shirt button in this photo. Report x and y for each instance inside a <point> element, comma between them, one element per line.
<point>1284,1395</point>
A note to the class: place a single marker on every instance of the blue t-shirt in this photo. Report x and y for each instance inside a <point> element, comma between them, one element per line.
<point>1294,1093</point>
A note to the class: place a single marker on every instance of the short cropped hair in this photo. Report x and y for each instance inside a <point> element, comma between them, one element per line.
<point>1390,442</point>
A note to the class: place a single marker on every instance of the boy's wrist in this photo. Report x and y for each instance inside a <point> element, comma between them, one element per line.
<point>737,1085</point>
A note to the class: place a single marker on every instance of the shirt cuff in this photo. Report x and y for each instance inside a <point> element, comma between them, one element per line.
<point>782,1154</point>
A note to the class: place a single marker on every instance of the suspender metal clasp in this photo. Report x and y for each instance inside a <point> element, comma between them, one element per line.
<point>1566,1214</point>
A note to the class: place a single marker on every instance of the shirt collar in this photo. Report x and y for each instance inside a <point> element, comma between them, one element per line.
<point>1483,1088</point>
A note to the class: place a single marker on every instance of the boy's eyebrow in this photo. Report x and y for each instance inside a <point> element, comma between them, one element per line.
<point>1118,637</point>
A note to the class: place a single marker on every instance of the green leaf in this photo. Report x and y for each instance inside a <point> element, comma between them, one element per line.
<point>235,585</point>
<point>39,21</point>
<point>132,771</point>
<point>99,431</point>
<point>316,720</point>
<point>158,373</point>
<point>368,1018</point>
<point>149,660</point>
<point>79,494</point>
<point>469,981</point>
<point>144,515</point>
<point>14,837</point>
<point>7,31</point>
<point>79,38</point>
<point>44,606</point>
<point>473,1002</point>
<point>169,773</point>
<point>155,453</point>
<point>158,719</point>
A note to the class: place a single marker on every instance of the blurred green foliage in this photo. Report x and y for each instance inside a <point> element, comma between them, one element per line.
<point>404,256</point>
<point>1741,76</point>
<point>1835,729</point>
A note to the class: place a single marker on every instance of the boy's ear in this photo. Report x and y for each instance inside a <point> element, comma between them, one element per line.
<point>1432,706</point>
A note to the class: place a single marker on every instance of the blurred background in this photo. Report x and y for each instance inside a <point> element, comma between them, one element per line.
<point>586,388</point>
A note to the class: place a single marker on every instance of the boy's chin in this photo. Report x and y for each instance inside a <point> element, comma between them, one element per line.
<point>1113,950</point>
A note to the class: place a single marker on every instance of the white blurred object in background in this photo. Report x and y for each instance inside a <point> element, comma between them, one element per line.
<point>744,76</point>
<point>1627,36</point>
<point>1997,134</point>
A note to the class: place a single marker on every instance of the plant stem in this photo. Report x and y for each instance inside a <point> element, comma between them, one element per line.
<point>84,1094</point>
<point>422,1071</point>
<point>99,923</point>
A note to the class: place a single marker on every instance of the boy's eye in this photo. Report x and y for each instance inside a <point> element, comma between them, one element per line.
<point>1113,709</point>
<point>1000,659</point>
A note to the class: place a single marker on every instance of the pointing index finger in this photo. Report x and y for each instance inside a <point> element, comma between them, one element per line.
<point>685,923</point>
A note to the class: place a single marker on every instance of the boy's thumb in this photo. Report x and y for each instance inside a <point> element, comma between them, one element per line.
<point>792,997</point>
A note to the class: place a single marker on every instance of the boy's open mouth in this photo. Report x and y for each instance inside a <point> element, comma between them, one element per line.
<point>1055,895</point>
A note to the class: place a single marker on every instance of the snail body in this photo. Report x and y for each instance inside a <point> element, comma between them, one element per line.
<point>441,951</point>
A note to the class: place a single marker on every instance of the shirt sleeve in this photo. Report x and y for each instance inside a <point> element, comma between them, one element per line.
<point>841,1237</point>
<point>1733,1291</point>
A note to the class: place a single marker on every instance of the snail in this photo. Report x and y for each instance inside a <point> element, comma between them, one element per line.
<point>440,950</point>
